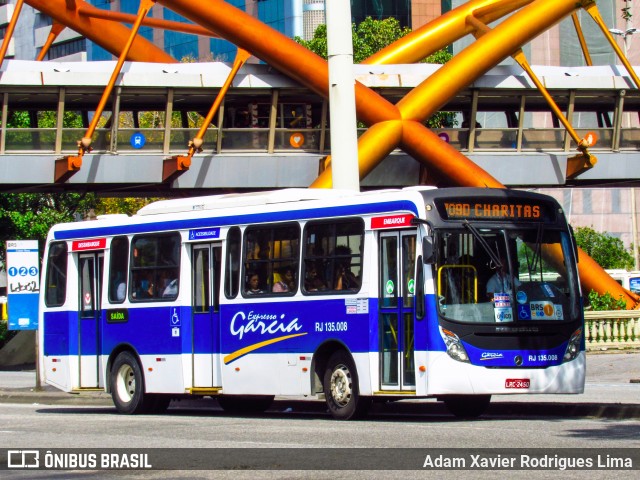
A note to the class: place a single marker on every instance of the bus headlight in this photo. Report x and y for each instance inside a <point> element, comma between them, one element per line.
<point>573,348</point>
<point>455,349</point>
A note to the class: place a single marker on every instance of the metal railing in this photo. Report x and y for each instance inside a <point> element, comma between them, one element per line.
<point>316,140</point>
<point>612,329</point>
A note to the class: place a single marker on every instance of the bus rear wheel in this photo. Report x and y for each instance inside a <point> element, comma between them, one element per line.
<point>467,406</point>
<point>127,385</point>
<point>340,385</point>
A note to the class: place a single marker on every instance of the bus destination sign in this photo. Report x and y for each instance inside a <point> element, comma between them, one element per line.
<point>495,210</point>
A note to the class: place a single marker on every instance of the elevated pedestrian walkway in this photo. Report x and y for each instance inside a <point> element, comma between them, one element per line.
<point>271,132</point>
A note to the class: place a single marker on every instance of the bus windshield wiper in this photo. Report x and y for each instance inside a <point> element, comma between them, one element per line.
<point>474,231</point>
<point>536,253</point>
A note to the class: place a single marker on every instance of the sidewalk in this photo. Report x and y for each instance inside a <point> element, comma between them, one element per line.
<point>612,391</point>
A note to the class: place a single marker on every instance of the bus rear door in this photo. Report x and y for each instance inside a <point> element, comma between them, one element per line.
<point>396,290</point>
<point>205,328</point>
<point>90,268</point>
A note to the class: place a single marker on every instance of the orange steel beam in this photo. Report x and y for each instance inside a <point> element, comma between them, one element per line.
<point>56,29</point>
<point>448,80</point>
<point>72,163</point>
<point>581,39</point>
<point>443,30</point>
<point>177,165</point>
<point>595,14</point>
<point>109,35</point>
<point>85,143</point>
<point>95,12</point>
<point>196,144</point>
<point>310,70</point>
<point>10,29</point>
<point>578,163</point>
<point>403,120</point>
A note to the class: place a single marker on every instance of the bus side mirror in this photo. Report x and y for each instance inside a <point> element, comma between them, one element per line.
<point>419,295</point>
<point>428,250</point>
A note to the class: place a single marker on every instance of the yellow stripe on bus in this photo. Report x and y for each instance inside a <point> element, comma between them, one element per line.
<point>243,351</point>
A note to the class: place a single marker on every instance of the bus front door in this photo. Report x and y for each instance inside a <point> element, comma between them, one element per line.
<point>90,268</point>
<point>396,325</point>
<point>205,341</point>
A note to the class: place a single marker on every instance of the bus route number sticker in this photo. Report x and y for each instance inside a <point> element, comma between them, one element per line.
<point>356,305</point>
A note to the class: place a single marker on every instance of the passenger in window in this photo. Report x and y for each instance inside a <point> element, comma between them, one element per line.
<point>121,290</point>
<point>253,285</point>
<point>345,279</point>
<point>168,284</point>
<point>286,283</point>
<point>500,282</point>
<point>145,288</point>
<point>171,290</point>
<point>314,283</point>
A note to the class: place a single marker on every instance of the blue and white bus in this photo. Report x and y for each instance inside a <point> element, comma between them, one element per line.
<point>349,296</point>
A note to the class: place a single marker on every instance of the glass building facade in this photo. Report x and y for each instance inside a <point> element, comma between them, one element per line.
<point>289,17</point>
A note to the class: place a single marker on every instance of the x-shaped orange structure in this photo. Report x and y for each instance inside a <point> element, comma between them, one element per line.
<point>390,126</point>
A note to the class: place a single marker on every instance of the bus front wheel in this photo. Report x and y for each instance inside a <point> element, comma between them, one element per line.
<point>467,406</point>
<point>340,385</point>
<point>127,385</point>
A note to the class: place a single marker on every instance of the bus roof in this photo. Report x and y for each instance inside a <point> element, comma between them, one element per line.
<point>235,209</point>
<point>235,200</point>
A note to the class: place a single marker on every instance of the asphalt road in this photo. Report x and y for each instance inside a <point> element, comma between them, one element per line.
<point>604,419</point>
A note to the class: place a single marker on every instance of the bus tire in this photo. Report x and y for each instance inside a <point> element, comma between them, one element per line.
<point>127,385</point>
<point>467,406</point>
<point>245,403</point>
<point>340,384</point>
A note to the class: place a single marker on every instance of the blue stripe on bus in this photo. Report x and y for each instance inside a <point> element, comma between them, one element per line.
<point>288,215</point>
<point>291,327</point>
<point>150,330</point>
<point>507,358</point>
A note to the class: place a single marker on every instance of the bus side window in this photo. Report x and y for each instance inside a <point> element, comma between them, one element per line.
<point>56,279</point>
<point>333,256</point>
<point>271,259</point>
<point>232,267</point>
<point>118,268</point>
<point>155,267</point>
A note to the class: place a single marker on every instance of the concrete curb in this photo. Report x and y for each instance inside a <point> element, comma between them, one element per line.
<point>617,411</point>
<point>45,397</point>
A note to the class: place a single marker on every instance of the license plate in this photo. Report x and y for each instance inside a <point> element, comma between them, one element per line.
<point>517,383</point>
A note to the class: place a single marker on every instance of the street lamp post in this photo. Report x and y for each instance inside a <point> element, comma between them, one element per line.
<point>625,34</point>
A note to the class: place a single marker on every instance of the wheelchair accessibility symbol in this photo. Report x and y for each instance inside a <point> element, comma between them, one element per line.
<point>175,319</point>
<point>524,312</point>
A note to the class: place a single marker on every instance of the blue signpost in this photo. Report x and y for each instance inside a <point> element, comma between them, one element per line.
<point>23,284</point>
<point>23,289</point>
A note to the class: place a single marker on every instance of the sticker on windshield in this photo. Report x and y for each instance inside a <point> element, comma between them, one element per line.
<point>503,315</point>
<point>521,297</point>
<point>547,289</point>
<point>559,313</point>
<point>501,300</point>
<point>544,310</point>
<point>524,312</point>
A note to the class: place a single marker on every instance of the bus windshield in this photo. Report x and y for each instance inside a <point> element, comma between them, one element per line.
<point>502,275</point>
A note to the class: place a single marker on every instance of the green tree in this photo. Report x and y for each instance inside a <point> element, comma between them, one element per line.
<point>369,37</point>
<point>29,216</point>
<point>605,302</point>
<point>126,205</point>
<point>606,251</point>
